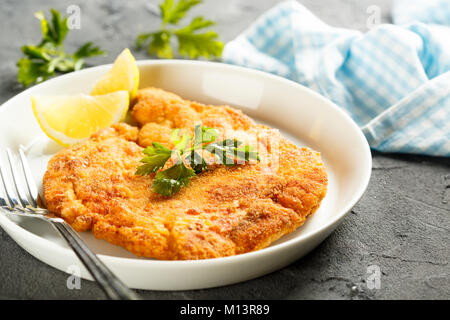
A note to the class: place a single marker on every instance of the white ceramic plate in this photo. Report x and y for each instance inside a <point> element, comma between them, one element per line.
<point>305,117</point>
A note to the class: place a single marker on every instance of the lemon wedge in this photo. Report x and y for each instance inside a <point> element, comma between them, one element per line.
<point>124,75</point>
<point>70,119</point>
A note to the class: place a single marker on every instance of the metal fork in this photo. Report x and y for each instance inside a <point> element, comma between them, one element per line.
<point>23,201</point>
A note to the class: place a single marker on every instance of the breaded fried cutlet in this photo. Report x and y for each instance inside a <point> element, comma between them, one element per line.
<point>224,211</point>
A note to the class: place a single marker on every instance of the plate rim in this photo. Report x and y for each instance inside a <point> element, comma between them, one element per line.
<point>329,225</point>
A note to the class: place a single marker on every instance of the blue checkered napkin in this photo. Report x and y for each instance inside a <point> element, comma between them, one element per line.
<point>394,81</point>
<point>425,11</point>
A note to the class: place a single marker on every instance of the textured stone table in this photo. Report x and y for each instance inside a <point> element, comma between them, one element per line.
<point>401,225</point>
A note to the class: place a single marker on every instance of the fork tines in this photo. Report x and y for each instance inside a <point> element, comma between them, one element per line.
<point>20,192</point>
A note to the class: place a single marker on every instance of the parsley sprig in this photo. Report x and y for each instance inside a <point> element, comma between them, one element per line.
<point>191,42</point>
<point>189,150</point>
<point>46,59</point>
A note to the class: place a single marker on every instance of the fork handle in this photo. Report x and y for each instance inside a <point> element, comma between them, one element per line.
<point>111,285</point>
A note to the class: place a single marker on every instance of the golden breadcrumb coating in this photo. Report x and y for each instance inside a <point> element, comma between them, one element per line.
<point>224,211</point>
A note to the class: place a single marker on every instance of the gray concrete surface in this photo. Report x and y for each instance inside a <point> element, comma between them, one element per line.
<point>401,224</point>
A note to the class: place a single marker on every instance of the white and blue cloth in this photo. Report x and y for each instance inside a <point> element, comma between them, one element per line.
<point>394,80</point>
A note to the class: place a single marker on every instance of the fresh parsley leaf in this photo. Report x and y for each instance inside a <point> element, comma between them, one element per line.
<point>44,24</point>
<point>54,32</point>
<point>31,72</point>
<point>173,13</point>
<point>197,162</point>
<point>196,24</point>
<point>160,45</point>
<point>225,151</point>
<point>48,58</point>
<point>180,143</point>
<point>229,151</point>
<point>204,135</point>
<point>191,42</point>
<point>170,181</point>
<point>156,157</point>
<point>142,38</point>
<point>58,28</point>
<point>36,52</point>
<point>197,45</point>
<point>88,50</point>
